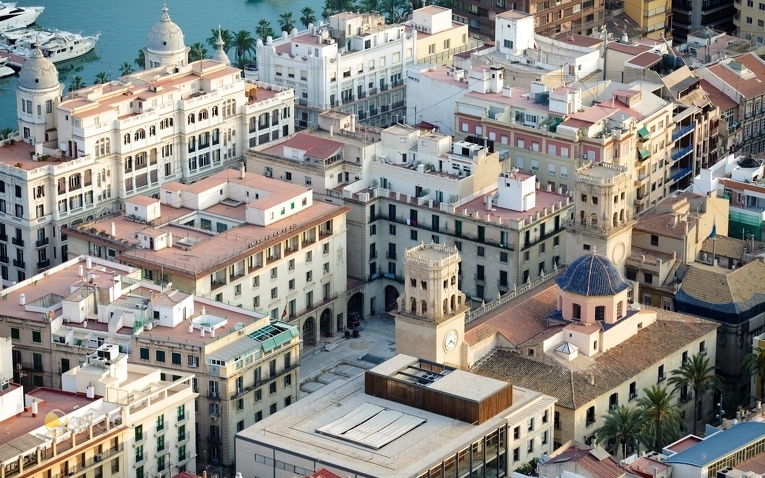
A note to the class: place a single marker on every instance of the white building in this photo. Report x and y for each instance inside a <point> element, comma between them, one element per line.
<point>354,62</point>
<point>80,154</point>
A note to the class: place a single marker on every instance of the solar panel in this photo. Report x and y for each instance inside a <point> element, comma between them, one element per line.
<point>371,426</point>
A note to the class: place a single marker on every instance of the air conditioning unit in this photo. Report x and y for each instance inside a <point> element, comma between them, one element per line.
<point>214,418</point>
<point>98,457</point>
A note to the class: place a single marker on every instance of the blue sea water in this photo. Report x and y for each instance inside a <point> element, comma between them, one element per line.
<point>125,24</point>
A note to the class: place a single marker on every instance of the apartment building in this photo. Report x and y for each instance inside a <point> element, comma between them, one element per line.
<point>101,423</point>
<point>439,38</point>
<point>568,325</point>
<point>742,111</point>
<point>354,63</point>
<point>509,425</point>
<point>256,242</point>
<point>242,365</point>
<point>689,16</point>
<point>708,45</point>
<point>748,21</point>
<point>653,17</point>
<point>79,156</point>
<point>551,17</point>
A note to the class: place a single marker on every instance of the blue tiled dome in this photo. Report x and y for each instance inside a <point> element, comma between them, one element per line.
<point>592,275</point>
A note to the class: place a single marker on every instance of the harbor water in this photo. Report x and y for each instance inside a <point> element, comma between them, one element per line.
<point>125,24</point>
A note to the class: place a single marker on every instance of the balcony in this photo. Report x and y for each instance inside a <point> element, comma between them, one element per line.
<point>391,255</point>
<point>384,108</point>
<point>502,286</point>
<point>17,241</point>
<point>685,398</point>
<point>324,233</point>
<point>42,242</point>
<point>362,115</point>
<point>681,152</point>
<point>4,237</point>
<point>682,132</point>
<point>633,396</point>
<point>479,279</point>
<point>372,111</point>
<point>272,259</point>
<point>4,259</point>
<point>43,264</point>
<point>19,263</point>
<point>681,173</point>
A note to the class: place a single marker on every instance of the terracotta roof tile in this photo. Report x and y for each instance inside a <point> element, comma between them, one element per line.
<point>748,86</point>
<point>719,99</point>
<point>716,285</point>
<point>724,246</point>
<point>314,146</point>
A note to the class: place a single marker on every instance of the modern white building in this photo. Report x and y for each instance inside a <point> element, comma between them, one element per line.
<point>78,156</point>
<point>355,62</point>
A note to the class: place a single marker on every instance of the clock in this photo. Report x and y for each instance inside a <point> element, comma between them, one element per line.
<point>450,340</point>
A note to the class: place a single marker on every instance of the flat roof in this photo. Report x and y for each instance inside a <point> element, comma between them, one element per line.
<point>720,445</point>
<point>295,431</point>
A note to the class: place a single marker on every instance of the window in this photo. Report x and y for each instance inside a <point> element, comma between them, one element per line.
<point>413,235</point>
<point>481,252</point>
<point>661,375</point>
<point>160,355</point>
<point>139,433</point>
<point>176,358</point>
<point>576,311</point>
<point>703,347</point>
<point>36,337</point>
<point>272,408</point>
<point>600,312</point>
<point>654,240</point>
<point>144,354</point>
<point>590,418</point>
<point>516,433</point>
<point>516,454</point>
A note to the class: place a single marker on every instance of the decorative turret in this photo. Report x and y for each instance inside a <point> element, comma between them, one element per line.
<point>165,44</point>
<point>220,54</point>
<point>39,93</point>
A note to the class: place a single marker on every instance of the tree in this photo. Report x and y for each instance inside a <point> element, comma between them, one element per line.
<point>76,83</point>
<point>101,78</point>
<point>754,366</point>
<point>242,61</point>
<point>126,69</point>
<point>225,35</point>
<point>243,43</point>
<point>140,60</point>
<point>394,10</point>
<point>6,134</point>
<point>624,427</point>
<point>664,421</point>
<point>307,16</point>
<point>263,30</point>
<point>696,374</point>
<point>332,7</point>
<point>197,51</point>
<point>286,23</point>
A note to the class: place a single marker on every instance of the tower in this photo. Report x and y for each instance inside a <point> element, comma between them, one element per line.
<point>164,45</point>
<point>430,321</point>
<point>37,97</point>
<point>602,218</point>
<point>220,54</point>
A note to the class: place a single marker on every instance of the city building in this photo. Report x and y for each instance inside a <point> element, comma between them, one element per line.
<point>562,342</point>
<point>550,18</point>
<point>481,424</point>
<point>80,155</point>
<point>708,45</point>
<point>578,460</point>
<point>739,79</point>
<point>242,365</point>
<point>355,63</point>
<point>748,21</point>
<point>654,18</point>
<point>439,38</point>
<point>256,242</point>
<point>717,453</point>
<point>690,16</point>
<point>111,418</point>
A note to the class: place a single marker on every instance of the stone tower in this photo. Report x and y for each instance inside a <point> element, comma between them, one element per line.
<point>165,45</point>
<point>430,321</point>
<point>602,218</point>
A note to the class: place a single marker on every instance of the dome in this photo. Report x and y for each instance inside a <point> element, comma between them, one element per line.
<point>165,36</point>
<point>220,55</point>
<point>38,73</point>
<point>592,275</point>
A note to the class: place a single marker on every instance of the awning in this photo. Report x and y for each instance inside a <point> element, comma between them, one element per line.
<point>644,133</point>
<point>644,153</point>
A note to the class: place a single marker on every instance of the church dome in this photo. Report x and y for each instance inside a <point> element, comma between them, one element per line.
<point>165,36</point>
<point>38,73</point>
<point>592,275</point>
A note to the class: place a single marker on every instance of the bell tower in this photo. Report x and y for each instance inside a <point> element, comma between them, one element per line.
<point>430,321</point>
<point>602,217</point>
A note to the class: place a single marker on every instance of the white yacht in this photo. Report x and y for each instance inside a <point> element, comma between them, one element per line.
<point>57,46</point>
<point>12,16</point>
<point>25,38</point>
<point>5,70</point>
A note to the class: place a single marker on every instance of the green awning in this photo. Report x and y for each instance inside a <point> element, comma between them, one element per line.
<point>644,133</point>
<point>644,153</point>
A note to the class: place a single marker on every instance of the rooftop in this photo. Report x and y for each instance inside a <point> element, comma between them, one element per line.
<point>568,381</point>
<point>595,460</point>
<point>719,445</point>
<point>734,291</point>
<point>17,154</point>
<point>743,74</point>
<point>314,146</point>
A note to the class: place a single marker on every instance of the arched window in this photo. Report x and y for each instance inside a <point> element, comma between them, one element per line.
<point>594,220</point>
<point>446,306</point>
<point>202,115</point>
<point>126,138</point>
<point>621,215</point>
<point>152,130</point>
<point>98,179</point>
<point>452,301</point>
<point>582,216</point>
<point>424,306</point>
<point>616,219</point>
<point>140,134</point>
<point>454,280</point>
<point>107,145</point>
<point>190,119</point>
<point>214,111</point>
<point>128,164</point>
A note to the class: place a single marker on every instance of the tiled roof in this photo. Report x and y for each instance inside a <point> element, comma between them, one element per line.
<point>670,333</point>
<point>720,445</point>
<point>606,467</point>
<point>719,99</point>
<point>724,246</point>
<point>645,59</point>
<point>715,285</point>
<point>314,146</point>
<point>748,86</point>
<point>592,275</point>
<point>519,320</point>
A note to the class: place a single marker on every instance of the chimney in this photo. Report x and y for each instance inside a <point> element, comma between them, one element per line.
<point>507,91</point>
<point>35,410</point>
<point>89,262</point>
<point>591,379</point>
<point>113,229</point>
<point>22,299</point>
<point>242,171</point>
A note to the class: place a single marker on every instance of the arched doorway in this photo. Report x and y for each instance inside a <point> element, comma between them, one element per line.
<point>325,323</point>
<point>355,309</point>
<point>391,295</point>
<point>308,330</point>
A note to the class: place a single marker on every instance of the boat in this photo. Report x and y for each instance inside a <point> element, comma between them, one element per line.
<point>5,70</point>
<point>56,45</point>
<point>12,16</point>
<point>25,37</point>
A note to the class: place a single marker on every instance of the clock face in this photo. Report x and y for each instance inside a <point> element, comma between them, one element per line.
<point>450,340</point>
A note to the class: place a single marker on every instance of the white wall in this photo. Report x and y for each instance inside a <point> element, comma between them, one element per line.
<point>419,99</point>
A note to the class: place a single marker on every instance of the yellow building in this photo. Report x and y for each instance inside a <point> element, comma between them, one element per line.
<point>438,37</point>
<point>652,16</point>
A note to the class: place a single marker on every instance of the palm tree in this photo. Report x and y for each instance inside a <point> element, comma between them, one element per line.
<point>76,83</point>
<point>243,43</point>
<point>624,427</point>
<point>368,5</point>
<point>101,78</point>
<point>197,51</point>
<point>140,60</point>
<point>5,135</point>
<point>286,23</point>
<point>243,61</point>
<point>264,30</point>
<point>394,10</point>
<point>664,421</point>
<point>307,16</point>
<point>696,374</point>
<point>332,7</point>
<point>225,35</point>
<point>126,69</point>
<point>754,366</point>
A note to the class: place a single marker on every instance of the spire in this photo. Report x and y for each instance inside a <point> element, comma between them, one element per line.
<point>165,16</point>
<point>220,54</point>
